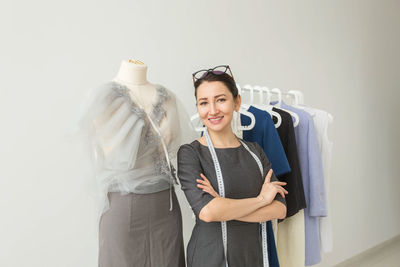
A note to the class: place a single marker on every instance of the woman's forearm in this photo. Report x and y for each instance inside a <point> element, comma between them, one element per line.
<point>226,209</point>
<point>275,210</point>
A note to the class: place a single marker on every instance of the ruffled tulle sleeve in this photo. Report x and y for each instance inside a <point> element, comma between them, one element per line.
<point>112,126</point>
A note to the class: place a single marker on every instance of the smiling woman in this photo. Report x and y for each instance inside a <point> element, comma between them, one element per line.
<point>228,209</point>
<point>216,109</point>
<point>216,99</point>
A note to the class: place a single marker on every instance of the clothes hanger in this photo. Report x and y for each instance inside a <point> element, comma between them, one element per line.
<point>299,101</point>
<point>240,90</point>
<point>278,104</point>
<point>297,98</point>
<point>248,88</point>
<point>243,110</point>
<point>263,106</point>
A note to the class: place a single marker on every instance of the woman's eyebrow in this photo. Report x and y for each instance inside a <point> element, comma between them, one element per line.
<point>205,98</point>
<point>219,95</point>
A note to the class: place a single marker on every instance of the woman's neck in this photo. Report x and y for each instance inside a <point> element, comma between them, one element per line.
<point>132,74</point>
<point>224,139</point>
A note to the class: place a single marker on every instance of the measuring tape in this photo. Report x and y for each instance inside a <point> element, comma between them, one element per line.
<point>221,189</point>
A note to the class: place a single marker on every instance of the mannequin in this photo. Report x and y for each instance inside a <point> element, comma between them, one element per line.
<point>133,75</point>
<point>134,130</point>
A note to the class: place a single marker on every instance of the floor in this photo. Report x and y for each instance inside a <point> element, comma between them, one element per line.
<point>383,255</point>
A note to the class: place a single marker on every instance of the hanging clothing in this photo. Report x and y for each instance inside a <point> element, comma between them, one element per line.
<point>290,236</point>
<point>295,200</point>
<point>265,134</point>
<point>291,241</point>
<point>313,182</point>
<point>321,120</point>
<point>242,179</point>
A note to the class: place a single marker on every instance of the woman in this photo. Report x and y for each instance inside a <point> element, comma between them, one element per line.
<point>250,197</point>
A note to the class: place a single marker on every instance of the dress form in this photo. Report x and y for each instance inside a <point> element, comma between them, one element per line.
<point>134,76</point>
<point>134,181</point>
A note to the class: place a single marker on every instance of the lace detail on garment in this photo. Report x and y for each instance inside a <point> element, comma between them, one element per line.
<point>123,91</point>
<point>158,113</point>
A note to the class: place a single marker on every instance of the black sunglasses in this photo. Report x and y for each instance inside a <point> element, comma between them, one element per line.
<point>218,70</point>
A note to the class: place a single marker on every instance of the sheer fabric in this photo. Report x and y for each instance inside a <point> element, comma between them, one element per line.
<point>125,143</point>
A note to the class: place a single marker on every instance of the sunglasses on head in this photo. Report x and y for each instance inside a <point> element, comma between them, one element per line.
<point>218,70</point>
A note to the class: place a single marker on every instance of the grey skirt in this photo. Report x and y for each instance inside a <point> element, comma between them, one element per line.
<point>140,230</point>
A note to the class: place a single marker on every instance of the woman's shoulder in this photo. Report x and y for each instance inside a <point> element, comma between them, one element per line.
<point>190,147</point>
<point>253,146</point>
<point>257,149</point>
<point>189,152</point>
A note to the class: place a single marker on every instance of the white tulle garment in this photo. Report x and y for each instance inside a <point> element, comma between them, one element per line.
<point>125,144</point>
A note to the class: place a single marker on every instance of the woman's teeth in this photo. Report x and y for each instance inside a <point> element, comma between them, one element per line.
<point>216,119</point>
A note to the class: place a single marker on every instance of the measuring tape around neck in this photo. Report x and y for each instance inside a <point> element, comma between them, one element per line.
<point>221,189</point>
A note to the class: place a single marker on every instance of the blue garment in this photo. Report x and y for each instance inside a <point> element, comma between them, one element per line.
<point>313,182</point>
<point>266,135</point>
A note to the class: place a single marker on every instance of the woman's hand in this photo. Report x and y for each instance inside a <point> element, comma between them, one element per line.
<point>270,189</point>
<point>206,185</point>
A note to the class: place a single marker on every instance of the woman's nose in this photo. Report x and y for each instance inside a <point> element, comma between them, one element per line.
<point>213,109</point>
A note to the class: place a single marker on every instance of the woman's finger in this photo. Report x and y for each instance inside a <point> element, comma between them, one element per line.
<point>204,177</point>
<point>211,192</point>
<point>279,183</point>
<point>201,181</point>
<point>208,191</point>
<point>268,176</point>
<point>280,191</point>
<point>283,189</point>
<point>202,186</point>
<point>205,187</point>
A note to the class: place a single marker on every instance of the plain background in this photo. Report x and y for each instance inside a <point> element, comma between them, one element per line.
<point>343,55</point>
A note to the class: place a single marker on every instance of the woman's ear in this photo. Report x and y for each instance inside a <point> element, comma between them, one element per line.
<point>238,102</point>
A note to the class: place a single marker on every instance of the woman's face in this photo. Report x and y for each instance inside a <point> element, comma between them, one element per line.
<point>215,105</point>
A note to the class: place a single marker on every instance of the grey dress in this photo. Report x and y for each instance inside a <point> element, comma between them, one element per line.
<point>242,179</point>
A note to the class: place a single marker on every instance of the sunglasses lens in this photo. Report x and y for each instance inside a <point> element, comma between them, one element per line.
<point>200,74</point>
<point>220,70</point>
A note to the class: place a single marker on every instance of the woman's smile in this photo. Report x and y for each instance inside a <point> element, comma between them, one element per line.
<point>215,120</point>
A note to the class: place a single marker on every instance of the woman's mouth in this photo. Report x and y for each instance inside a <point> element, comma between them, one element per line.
<point>216,120</point>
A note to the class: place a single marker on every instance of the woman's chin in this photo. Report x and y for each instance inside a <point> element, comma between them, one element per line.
<point>216,127</point>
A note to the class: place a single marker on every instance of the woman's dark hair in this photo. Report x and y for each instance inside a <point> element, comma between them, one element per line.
<point>225,78</point>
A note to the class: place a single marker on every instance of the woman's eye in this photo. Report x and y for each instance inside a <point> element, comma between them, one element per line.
<point>202,103</point>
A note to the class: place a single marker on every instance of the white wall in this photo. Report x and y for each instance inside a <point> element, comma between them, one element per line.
<point>342,54</point>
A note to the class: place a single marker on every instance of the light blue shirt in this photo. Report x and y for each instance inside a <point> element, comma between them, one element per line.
<point>313,182</point>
